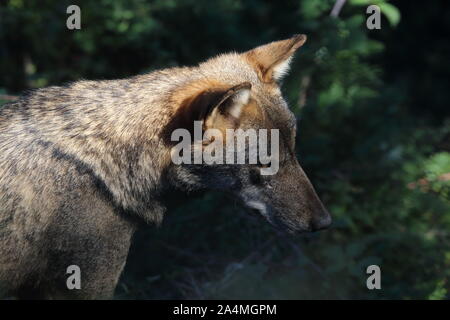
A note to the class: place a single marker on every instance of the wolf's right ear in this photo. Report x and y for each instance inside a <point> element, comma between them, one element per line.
<point>271,61</point>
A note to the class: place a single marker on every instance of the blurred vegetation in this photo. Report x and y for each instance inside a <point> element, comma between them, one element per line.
<point>374,137</point>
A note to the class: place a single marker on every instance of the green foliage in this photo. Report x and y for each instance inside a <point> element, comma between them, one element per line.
<point>377,157</point>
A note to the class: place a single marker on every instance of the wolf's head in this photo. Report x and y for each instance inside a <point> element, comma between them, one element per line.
<point>241,91</point>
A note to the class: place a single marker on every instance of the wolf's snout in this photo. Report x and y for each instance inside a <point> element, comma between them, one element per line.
<point>322,221</point>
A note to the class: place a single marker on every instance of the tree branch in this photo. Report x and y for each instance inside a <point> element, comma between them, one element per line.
<point>337,8</point>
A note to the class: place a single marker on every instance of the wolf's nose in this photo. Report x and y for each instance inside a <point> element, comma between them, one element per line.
<point>321,222</point>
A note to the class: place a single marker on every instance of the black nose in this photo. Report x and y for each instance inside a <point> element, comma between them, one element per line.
<point>321,222</point>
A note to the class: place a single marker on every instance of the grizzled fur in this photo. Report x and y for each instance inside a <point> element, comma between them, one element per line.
<point>81,165</point>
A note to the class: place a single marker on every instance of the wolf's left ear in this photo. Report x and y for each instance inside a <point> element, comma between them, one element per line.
<point>227,108</point>
<point>217,105</point>
<point>271,61</point>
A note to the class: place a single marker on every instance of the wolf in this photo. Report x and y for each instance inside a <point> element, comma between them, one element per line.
<point>83,165</point>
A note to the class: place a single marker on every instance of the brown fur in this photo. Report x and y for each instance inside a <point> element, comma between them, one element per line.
<point>81,164</point>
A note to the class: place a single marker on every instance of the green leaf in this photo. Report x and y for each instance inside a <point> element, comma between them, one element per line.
<point>365,2</point>
<point>391,13</point>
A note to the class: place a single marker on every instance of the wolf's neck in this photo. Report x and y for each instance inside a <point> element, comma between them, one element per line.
<point>114,127</point>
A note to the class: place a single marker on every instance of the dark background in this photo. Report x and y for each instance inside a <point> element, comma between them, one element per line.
<point>374,137</point>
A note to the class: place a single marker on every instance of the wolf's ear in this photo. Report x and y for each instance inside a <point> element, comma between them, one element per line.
<point>225,111</point>
<point>272,60</point>
<point>217,105</point>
